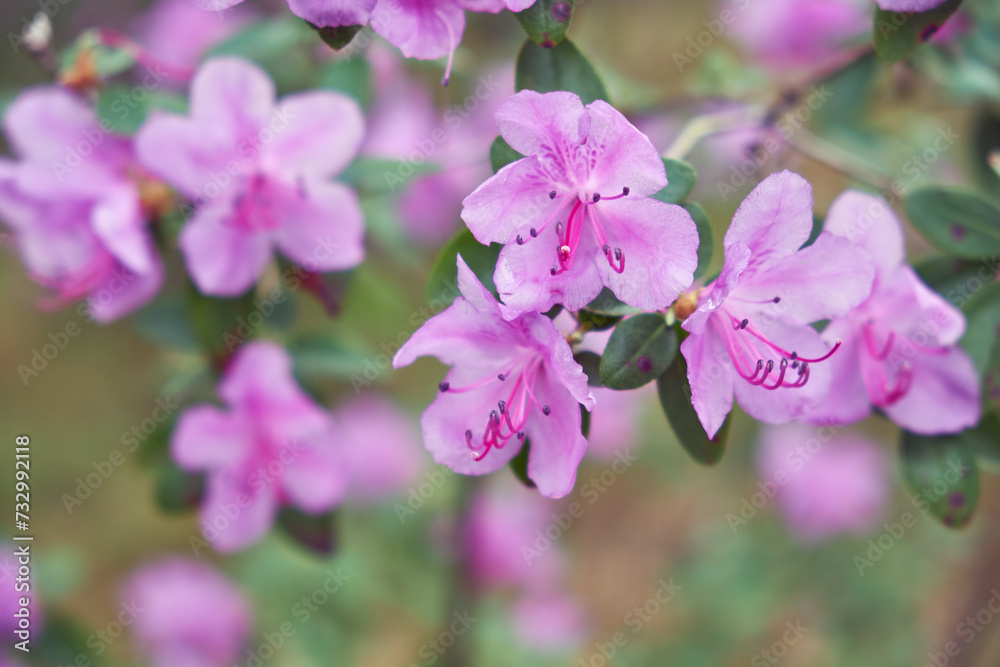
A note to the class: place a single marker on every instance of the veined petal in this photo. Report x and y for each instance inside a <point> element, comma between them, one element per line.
<point>512,201</point>
<point>868,221</point>
<point>557,445</point>
<point>624,155</point>
<point>737,259</point>
<point>324,230</point>
<point>561,364</point>
<point>904,304</point>
<point>536,123</point>
<point>711,376</point>
<point>943,396</point>
<point>826,280</point>
<point>847,401</point>
<point>660,242</point>
<point>223,260</point>
<point>316,134</point>
<point>774,220</point>
<point>421,29</point>
<point>333,13</point>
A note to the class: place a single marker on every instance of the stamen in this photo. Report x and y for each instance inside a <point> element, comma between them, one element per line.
<point>597,197</point>
<point>546,410</point>
<point>502,404</point>
<point>533,232</point>
<point>451,50</point>
<point>552,195</point>
<point>444,386</point>
<point>501,377</point>
<point>520,240</point>
<point>781,375</point>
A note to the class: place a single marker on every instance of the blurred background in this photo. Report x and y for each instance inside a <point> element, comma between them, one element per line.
<point>665,561</point>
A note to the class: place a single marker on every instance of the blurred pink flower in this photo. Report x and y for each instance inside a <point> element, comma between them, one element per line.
<point>10,599</point>
<point>830,488</point>
<point>73,202</point>
<point>502,536</point>
<point>191,615</point>
<point>548,621</point>
<point>909,5</point>
<point>179,32</point>
<point>271,446</point>
<point>382,447</point>
<point>259,174</point>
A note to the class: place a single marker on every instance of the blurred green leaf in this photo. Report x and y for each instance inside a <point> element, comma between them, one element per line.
<point>562,67</point>
<point>315,357</point>
<point>675,399</point>
<point>177,490</point>
<point>501,154</point>
<point>897,34</point>
<point>982,332</point>
<point>942,471</point>
<point>519,465</point>
<point>681,179</point>
<point>706,239</point>
<point>443,282</point>
<point>985,440</point>
<point>283,45</point>
<point>595,321</point>
<point>352,77</point>
<point>337,37</point>
<point>546,21</point>
<point>314,532</point>
<point>122,109</point>
<point>606,303</point>
<point>955,222</point>
<point>591,363</point>
<point>639,350</point>
<point>379,176</point>
<point>165,322</point>
<point>850,88</point>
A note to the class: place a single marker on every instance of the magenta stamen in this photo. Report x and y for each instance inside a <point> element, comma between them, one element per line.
<point>511,413</point>
<point>781,375</point>
<point>873,350</point>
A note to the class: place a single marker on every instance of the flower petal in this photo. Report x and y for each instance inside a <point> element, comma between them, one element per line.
<point>316,479</point>
<point>511,202</point>
<point>233,92</point>
<point>237,514</point>
<point>557,445</point>
<point>774,220</point>
<point>325,231</point>
<point>541,123</point>
<point>206,437</point>
<point>186,154</point>
<point>943,397</point>
<point>223,260</point>
<point>333,13</point>
<point>123,291</point>
<point>868,221</point>
<point>118,221</point>
<point>847,401</point>
<point>560,362</point>
<point>625,157</point>
<point>711,376</point>
<point>828,279</point>
<point>660,242</point>
<point>44,123</point>
<point>421,29</point>
<point>320,134</point>
<point>737,260</point>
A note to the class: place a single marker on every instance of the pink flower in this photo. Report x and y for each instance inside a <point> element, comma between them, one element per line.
<point>512,376</point>
<point>271,446</point>
<point>576,212</point>
<point>10,599</point>
<point>750,333</point>
<point>381,446</point>
<point>791,33</point>
<point>909,5</point>
<point>259,174</point>
<point>548,621</point>
<point>190,615</point>
<point>179,32</point>
<point>824,488</point>
<point>900,348</point>
<point>73,203</point>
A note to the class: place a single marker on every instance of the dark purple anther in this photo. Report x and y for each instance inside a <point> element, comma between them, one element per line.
<point>520,240</point>
<point>444,386</point>
<point>552,195</point>
<point>533,232</point>
<point>501,377</point>
<point>744,323</point>
<point>597,196</point>
<point>502,404</point>
<point>777,299</point>
<point>546,410</point>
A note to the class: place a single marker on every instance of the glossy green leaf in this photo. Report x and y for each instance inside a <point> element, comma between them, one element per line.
<point>165,322</point>
<point>595,321</point>
<point>123,109</point>
<point>985,441</point>
<point>591,363</point>
<point>322,357</point>
<point>982,331</point>
<point>675,399</point>
<point>314,532</point>
<point>352,76</point>
<point>337,37</point>
<point>501,154</point>
<point>562,67</point>
<point>639,350</point>
<point>706,238</point>
<point>519,464</point>
<point>681,179</point>
<point>898,34</point>
<point>955,222</point>
<point>606,303</point>
<point>443,282</point>
<point>178,490</point>
<point>546,21</point>
<point>943,474</point>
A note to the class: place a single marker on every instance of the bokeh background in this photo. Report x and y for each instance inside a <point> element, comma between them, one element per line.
<point>663,519</point>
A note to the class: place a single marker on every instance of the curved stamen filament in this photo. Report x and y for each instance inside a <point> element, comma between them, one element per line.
<point>873,348</point>
<point>511,414</point>
<point>786,353</point>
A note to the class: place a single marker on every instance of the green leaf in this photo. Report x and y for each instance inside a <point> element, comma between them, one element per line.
<point>322,357</point>
<point>942,471</point>
<point>591,363</point>
<point>606,303</point>
<point>177,490</point>
<point>706,239</point>
<point>443,282</point>
<point>314,532</point>
<point>981,333</point>
<point>501,154</point>
<point>379,176</point>
<point>597,321</point>
<point>955,222</point>
<point>165,322</point>
<point>283,45</point>
<point>519,465</point>
<point>560,68</point>
<point>675,399</point>
<point>123,109</point>
<point>337,37</point>
<point>898,34</point>
<point>985,440</point>
<point>546,21</point>
<point>639,350</point>
<point>681,178</point>
<point>352,77</point>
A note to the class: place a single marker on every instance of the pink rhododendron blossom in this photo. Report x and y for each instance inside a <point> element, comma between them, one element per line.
<point>74,204</point>
<point>909,5</point>
<point>750,333</point>
<point>381,445</point>
<point>900,349</point>
<point>825,487</point>
<point>548,621</point>
<point>191,616</point>
<point>513,375</point>
<point>790,33</point>
<point>259,174</point>
<point>270,446</point>
<point>180,33</point>
<point>576,213</point>
<point>10,597</point>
